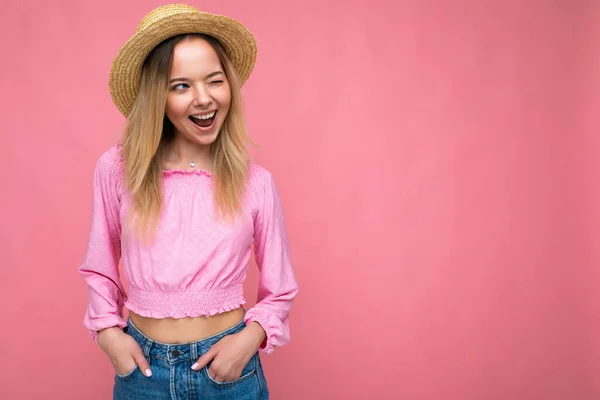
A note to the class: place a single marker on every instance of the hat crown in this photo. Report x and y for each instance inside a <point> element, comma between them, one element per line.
<point>168,21</point>
<point>164,11</point>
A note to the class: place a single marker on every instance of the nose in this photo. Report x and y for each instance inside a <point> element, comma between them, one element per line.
<point>201,96</point>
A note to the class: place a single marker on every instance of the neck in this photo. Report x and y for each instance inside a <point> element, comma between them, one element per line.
<point>182,153</point>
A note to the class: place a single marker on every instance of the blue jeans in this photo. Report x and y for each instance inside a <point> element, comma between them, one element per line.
<point>174,379</point>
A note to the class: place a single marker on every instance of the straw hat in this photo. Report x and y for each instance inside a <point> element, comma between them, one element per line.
<point>165,22</point>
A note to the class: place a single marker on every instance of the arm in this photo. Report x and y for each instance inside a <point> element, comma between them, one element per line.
<point>100,264</point>
<point>277,285</point>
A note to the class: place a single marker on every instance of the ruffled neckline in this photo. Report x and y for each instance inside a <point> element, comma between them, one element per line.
<point>172,171</point>
<point>169,171</point>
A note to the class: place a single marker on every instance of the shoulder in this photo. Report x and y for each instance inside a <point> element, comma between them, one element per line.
<point>259,176</point>
<point>263,189</point>
<point>261,185</point>
<point>111,161</point>
<point>257,171</point>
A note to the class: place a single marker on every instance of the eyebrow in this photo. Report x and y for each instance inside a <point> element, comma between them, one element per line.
<point>212,74</point>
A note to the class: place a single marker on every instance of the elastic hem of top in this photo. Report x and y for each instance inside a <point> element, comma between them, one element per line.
<point>189,303</point>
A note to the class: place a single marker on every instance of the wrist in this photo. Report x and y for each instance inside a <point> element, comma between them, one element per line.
<point>256,332</point>
<point>108,332</point>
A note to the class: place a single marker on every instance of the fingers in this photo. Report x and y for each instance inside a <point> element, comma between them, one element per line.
<point>205,358</point>
<point>123,366</point>
<point>216,378</point>
<point>142,363</point>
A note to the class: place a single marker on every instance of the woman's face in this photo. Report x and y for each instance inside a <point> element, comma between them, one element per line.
<point>198,93</point>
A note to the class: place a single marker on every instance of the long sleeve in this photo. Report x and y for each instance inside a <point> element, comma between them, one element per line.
<point>101,261</point>
<point>277,285</point>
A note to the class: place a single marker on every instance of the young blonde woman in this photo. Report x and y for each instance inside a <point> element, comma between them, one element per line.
<point>179,202</point>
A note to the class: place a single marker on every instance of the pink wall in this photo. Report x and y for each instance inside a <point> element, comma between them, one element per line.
<point>438,163</point>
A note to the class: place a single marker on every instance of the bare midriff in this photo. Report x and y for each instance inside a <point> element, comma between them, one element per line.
<point>188,329</point>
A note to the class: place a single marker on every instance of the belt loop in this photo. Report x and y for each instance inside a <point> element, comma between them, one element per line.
<point>194,351</point>
<point>147,347</point>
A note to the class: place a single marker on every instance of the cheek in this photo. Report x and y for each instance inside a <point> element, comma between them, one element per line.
<point>174,107</point>
<point>169,109</point>
<point>223,95</point>
<point>225,100</point>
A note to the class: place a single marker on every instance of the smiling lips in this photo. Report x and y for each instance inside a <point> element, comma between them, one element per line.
<point>204,120</point>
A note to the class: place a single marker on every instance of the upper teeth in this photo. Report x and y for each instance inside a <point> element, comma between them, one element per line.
<point>207,116</point>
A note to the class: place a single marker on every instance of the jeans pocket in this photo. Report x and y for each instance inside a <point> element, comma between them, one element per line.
<point>127,375</point>
<point>249,371</point>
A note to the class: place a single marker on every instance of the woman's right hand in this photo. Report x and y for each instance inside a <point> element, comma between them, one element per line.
<point>123,351</point>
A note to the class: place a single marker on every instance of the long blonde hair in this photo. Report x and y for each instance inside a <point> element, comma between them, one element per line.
<point>149,133</point>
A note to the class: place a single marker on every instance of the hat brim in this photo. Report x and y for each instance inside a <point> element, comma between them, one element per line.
<point>125,73</point>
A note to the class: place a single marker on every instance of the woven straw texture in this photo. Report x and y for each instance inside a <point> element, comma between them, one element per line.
<point>163,23</point>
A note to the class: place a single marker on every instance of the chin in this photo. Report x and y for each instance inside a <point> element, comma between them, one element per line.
<point>205,141</point>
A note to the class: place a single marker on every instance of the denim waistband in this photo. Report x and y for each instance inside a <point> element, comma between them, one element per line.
<point>173,353</point>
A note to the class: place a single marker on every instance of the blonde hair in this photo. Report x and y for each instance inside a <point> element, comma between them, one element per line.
<point>149,133</point>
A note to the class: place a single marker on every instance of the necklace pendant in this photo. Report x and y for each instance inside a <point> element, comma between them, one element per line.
<point>192,164</point>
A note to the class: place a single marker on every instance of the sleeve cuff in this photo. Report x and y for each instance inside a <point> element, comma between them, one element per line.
<point>94,333</point>
<point>268,345</point>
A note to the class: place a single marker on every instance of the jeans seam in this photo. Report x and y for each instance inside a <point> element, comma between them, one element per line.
<point>172,382</point>
<point>259,381</point>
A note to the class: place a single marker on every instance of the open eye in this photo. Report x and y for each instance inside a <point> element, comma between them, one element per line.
<point>179,84</point>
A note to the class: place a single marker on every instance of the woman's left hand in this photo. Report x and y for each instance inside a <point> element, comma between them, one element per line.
<point>232,353</point>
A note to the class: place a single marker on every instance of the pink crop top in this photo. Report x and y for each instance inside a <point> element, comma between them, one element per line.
<point>196,266</point>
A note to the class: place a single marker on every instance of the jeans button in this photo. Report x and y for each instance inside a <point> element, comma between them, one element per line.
<point>175,353</point>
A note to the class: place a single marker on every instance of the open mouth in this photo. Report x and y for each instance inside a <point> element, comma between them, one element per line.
<point>205,120</point>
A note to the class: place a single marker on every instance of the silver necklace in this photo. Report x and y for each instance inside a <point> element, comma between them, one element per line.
<point>192,164</point>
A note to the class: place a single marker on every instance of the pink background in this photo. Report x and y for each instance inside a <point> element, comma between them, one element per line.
<point>439,167</point>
